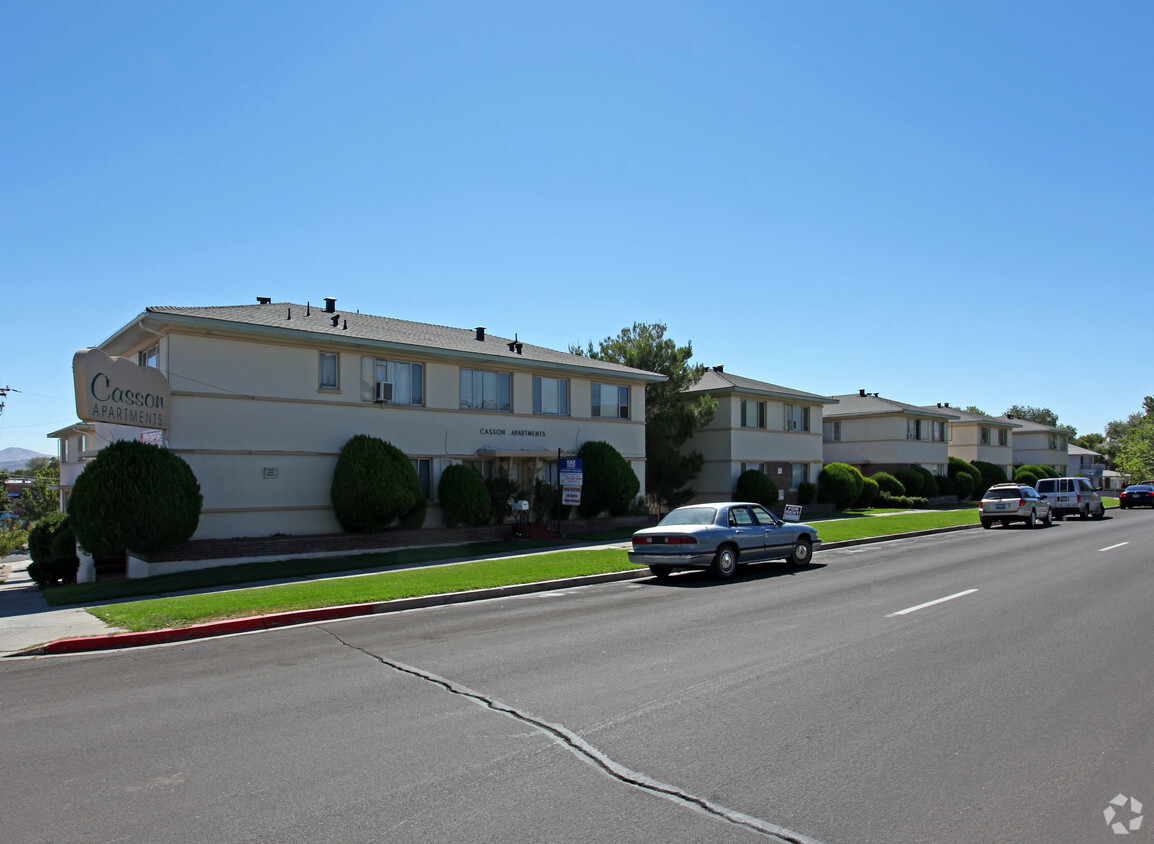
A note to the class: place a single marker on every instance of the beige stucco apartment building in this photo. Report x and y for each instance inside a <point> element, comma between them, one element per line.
<point>986,438</point>
<point>876,434</point>
<point>1043,445</point>
<point>757,426</point>
<point>263,397</point>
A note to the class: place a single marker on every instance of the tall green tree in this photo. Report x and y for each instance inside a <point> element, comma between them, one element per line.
<point>974,409</point>
<point>670,420</point>
<point>1041,415</point>
<point>42,498</point>
<point>1136,446</point>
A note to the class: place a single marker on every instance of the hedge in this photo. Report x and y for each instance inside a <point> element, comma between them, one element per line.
<point>464,498</point>
<point>841,484</point>
<point>608,482</point>
<point>754,485</point>
<point>375,487</point>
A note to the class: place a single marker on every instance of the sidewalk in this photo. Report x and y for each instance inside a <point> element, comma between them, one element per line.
<point>26,619</point>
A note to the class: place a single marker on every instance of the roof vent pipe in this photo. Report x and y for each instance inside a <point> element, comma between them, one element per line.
<point>861,392</point>
<point>263,300</point>
<point>481,333</point>
<point>719,368</point>
<point>330,305</point>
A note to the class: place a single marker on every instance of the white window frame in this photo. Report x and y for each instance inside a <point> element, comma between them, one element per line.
<point>618,409</point>
<point>149,356</point>
<point>386,371</point>
<point>798,475</point>
<point>490,381</point>
<point>336,370</point>
<point>797,417</point>
<point>984,435</point>
<point>831,431</point>
<point>552,403</point>
<point>759,421</point>
<point>1003,440</point>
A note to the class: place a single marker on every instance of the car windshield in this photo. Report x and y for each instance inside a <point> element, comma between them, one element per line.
<point>690,516</point>
<point>1004,493</point>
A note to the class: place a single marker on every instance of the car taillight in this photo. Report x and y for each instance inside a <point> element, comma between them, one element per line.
<point>1021,502</point>
<point>681,540</point>
<point>665,540</point>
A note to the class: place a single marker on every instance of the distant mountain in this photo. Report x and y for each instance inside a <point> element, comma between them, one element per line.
<point>17,458</point>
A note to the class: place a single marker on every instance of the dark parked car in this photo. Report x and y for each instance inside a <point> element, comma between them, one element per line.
<point>1136,495</point>
<point>720,536</point>
<point>1007,503</point>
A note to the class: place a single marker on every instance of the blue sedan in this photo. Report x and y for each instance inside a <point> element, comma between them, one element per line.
<point>721,536</point>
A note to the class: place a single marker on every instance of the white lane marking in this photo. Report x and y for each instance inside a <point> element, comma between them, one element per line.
<point>1112,547</point>
<point>909,610</point>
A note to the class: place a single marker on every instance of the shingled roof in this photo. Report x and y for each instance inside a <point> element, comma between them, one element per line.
<point>313,321</point>
<point>719,381</point>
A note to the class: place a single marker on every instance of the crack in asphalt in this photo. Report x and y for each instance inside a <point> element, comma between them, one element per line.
<point>588,753</point>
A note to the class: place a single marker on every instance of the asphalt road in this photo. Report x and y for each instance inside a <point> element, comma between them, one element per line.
<point>846,702</point>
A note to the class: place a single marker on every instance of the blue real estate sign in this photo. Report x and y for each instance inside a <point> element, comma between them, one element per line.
<point>572,471</point>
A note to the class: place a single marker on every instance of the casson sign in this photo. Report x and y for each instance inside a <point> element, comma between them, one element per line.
<point>119,391</point>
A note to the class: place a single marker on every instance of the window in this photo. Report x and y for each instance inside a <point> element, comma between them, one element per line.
<point>551,396</point>
<point>984,436</point>
<point>760,467</point>
<point>939,431</point>
<point>796,418</point>
<point>752,414</point>
<point>1004,439</point>
<point>408,380</point>
<point>149,357</point>
<point>1054,441</point>
<point>483,390</point>
<point>610,401</point>
<point>329,378</point>
<point>424,468</point>
<point>832,432</point>
<point>798,474</point>
<point>913,429</point>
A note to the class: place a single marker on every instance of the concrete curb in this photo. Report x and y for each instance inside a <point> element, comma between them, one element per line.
<point>117,641</point>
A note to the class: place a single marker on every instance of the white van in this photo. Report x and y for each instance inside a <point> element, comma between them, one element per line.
<point>1071,496</point>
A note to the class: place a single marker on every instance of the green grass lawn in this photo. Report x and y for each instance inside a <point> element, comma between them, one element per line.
<point>184,610</point>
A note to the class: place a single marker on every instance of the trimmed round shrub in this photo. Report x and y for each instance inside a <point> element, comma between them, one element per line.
<point>52,546</point>
<point>501,489</point>
<point>134,497</point>
<point>754,485</point>
<point>841,484</point>
<point>464,499</point>
<point>957,465</point>
<point>608,482</point>
<point>806,493</point>
<point>991,474</point>
<point>888,484</point>
<point>929,484</point>
<point>869,492</point>
<point>1037,470</point>
<point>945,485</point>
<point>1023,477</point>
<point>963,484</point>
<point>911,480</point>
<point>375,486</point>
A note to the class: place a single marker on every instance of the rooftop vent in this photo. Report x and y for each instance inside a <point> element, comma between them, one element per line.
<point>330,305</point>
<point>336,320</point>
<point>861,392</point>
<point>516,345</point>
<point>719,369</point>
<point>481,333</point>
<point>263,300</point>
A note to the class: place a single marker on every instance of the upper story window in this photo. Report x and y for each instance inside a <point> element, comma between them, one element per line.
<point>485,390</point>
<point>329,371</point>
<point>610,401</point>
<point>1004,439</point>
<point>832,431</point>
<point>752,414</point>
<point>407,380</point>
<point>939,431</point>
<point>551,396</point>
<point>984,437</point>
<point>149,357</point>
<point>913,429</point>
<point>796,417</point>
<point>1056,441</point>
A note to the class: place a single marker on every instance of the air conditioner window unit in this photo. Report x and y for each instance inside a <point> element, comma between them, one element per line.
<point>384,391</point>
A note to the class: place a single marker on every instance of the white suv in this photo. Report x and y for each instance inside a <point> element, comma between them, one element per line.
<point>1072,496</point>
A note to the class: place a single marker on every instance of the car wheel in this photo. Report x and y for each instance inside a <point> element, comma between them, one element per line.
<point>802,552</point>
<point>661,572</point>
<point>1033,522</point>
<point>987,523</point>
<point>1084,514</point>
<point>725,563</point>
<point>1101,512</point>
<point>1049,520</point>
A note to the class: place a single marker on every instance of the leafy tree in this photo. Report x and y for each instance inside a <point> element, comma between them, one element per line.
<point>977,411</point>
<point>991,474</point>
<point>41,498</point>
<point>1091,442</point>
<point>11,537</point>
<point>1136,445</point>
<point>669,420</point>
<point>1041,415</point>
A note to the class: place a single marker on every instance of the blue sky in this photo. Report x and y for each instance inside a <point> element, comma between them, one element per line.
<point>912,198</point>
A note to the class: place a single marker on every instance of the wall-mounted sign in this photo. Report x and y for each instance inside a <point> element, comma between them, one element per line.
<point>119,391</point>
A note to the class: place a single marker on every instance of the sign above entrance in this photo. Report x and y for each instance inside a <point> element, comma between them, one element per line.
<point>118,391</point>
